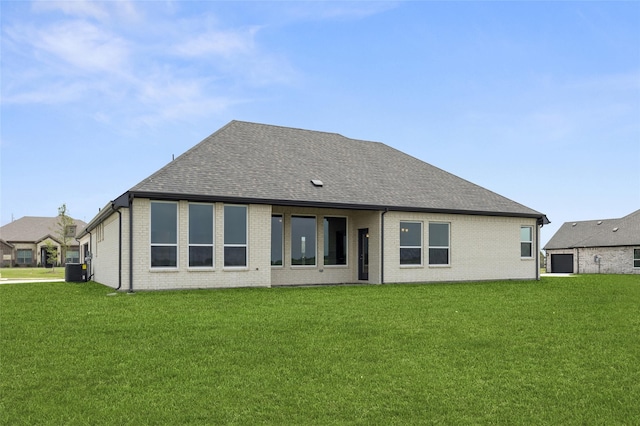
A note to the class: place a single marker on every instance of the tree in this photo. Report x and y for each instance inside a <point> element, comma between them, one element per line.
<point>65,230</point>
<point>52,255</point>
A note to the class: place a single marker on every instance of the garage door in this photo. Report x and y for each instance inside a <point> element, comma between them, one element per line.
<point>562,263</point>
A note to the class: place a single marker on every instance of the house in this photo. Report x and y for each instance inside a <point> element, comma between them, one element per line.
<point>257,205</point>
<point>24,241</point>
<point>608,246</point>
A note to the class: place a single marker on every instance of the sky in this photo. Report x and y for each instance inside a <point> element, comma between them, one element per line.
<point>537,101</point>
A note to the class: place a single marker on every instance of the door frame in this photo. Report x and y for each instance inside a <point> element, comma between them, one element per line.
<point>363,254</point>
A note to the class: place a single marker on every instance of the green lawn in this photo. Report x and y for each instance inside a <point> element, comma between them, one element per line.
<point>560,351</point>
<point>29,273</point>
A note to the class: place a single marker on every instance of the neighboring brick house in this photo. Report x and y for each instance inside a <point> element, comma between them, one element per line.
<point>24,241</point>
<point>608,246</point>
<point>261,205</point>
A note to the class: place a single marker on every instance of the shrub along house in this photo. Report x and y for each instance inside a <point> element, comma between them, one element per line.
<point>608,246</point>
<point>261,205</point>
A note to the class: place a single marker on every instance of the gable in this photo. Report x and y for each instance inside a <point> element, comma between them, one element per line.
<point>268,164</point>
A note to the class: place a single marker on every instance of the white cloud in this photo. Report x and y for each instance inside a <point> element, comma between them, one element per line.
<point>81,8</point>
<point>223,43</point>
<point>83,45</point>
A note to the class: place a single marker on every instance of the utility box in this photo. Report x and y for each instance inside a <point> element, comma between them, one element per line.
<point>75,272</point>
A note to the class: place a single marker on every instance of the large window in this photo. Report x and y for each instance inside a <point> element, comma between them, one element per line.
<point>72,256</point>
<point>25,257</point>
<point>410,243</point>
<point>201,235</point>
<point>303,240</point>
<point>164,235</point>
<point>235,236</point>
<point>526,241</point>
<point>277,229</point>
<point>438,243</point>
<point>335,241</point>
<point>636,258</point>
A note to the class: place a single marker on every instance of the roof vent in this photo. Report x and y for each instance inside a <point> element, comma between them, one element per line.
<point>574,224</point>
<point>599,222</point>
<point>317,182</point>
<point>615,229</point>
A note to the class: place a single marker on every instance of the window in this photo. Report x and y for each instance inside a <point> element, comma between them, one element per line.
<point>72,256</point>
<point>438,243</point>
<point>164,235</point>
<point>410,243</point>
<point>235,236</point>
<point>277,229</point>
<point>526,241</point>
<point>25,257</point>
<point>636,258</point>
<point>335,240</point>
<point>303,240</point>
<point>201,235</point>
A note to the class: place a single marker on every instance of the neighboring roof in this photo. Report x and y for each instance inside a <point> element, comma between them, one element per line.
<point>32,229</point>
<point>598,233</point>
<point>249,162</point>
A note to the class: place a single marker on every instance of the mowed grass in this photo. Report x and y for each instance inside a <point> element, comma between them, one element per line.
<point>33,273</point>
<point>560,351</point>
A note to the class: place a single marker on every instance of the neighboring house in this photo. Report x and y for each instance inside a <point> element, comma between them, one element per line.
<point>608,246</point>
<point>24,241</point>
<point>261,205</point>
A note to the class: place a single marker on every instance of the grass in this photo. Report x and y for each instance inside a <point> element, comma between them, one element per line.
<point>32,273</point>
<point>559,351</point>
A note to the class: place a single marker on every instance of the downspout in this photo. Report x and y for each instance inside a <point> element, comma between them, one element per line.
<point>537,253</point>
<point>91,260</point>
<point>130,244</point>
<point>382,245</point>
<point>119,248</point>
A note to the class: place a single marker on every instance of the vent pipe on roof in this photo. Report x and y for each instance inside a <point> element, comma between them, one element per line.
<point>317,183</point>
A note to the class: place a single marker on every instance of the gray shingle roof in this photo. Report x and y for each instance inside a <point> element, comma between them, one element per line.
<point>31,229</point>
<point>275,165</point>
<point>598,233</point>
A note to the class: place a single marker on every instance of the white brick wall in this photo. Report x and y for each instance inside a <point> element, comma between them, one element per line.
<point>482,248</point>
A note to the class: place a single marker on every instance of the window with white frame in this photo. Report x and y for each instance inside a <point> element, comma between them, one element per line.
<point>303,240</point>
<point>411,243</point>
<point>335,240</point>
<point>235,236</point>
<point>526,241</point>
<point>164,234</point>
<point>439,246</point>
<point>201,228</point>
<point>636,258</point>
<point>277,232</point>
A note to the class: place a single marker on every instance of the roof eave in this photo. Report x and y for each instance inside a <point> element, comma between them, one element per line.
<point>541,218</point>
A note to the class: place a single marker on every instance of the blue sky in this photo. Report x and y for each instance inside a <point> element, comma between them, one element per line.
<point>537,101</point>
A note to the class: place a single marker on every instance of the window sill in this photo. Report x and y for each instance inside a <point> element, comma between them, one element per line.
<point>440,266</point>
<point>336,266</point>
<point>303,266</point>
<point>235,268</point>
<point>164,269</point>
<point>201,269</point>
<point>411,266</point>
